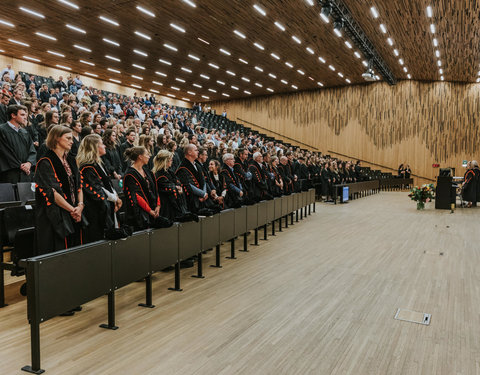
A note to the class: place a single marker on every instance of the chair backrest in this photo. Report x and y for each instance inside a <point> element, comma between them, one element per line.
<point>15,218</point>
<point>24,244</point>
<point>7,193</point>
<point>26,191</point>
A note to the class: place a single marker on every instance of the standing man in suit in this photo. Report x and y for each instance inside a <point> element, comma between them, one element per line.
<point>17,97</point>
<point>17,152</point>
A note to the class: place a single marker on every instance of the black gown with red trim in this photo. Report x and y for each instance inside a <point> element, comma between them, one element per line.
<point>469,190</point>
<point>172,203</point>
<point>55,228</point>
<point>98,211</point>
<point>259,184</point>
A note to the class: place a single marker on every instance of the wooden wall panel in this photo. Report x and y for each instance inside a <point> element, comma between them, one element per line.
<point>46,71</point>
<point>413,122</point>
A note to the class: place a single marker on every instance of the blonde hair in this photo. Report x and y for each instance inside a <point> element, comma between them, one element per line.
<point>88,150</point>
<point>144,141</point>
<point>161,160</point>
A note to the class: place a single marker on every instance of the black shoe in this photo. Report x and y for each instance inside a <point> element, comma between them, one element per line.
<point>78,308</point>
<point>188,263</point>
<point>168,269</point>
<point>68,313</point>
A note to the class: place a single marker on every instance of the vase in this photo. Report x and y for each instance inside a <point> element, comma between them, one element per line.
<point>420,205</point>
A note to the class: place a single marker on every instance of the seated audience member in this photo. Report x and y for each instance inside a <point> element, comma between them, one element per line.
<point>142,201</point>
<point>469,186</point>
<point>214,202</point>
<point>5,98</point>
<point>172,198</point>
<point>101,200</point>
<point>17,151</point>
<point>214,174</point>
<point>193,182</point>
<point>259,187</point>
<point>130,136</point>
<point>232,187</point>
<point>58,195</point>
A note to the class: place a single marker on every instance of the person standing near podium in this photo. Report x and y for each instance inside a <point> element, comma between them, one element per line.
<point>469,187</point>
<point>476,171</point>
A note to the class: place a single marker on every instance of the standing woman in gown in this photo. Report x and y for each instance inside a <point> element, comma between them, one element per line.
<point>58,195</point>
<point>101,200</point>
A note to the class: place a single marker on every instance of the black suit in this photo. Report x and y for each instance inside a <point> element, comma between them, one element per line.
<point>3,113</point>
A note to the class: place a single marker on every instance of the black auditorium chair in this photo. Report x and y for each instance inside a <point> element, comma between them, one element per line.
<point>25,191</point>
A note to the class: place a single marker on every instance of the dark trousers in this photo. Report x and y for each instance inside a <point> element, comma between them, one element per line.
<point>13,176</point>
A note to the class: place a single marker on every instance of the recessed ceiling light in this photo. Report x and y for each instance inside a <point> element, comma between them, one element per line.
<point>429,12</point>
<point>259,69</point>
<point>114,70</point>
<point>374,12</point>
<point>63,67</point>
<point>193,57</point>
<point>365,63</point>
<point>212,90</point>
<point>240,34</point>
<point>383,28</point>
<point>186,69</point>
<point>259,10</point>
<point>56,53</point>
<point>310,2</point>
<point>225,95</point>
<point>441,71</point>
<point>400,61</point>
<point>247,92</point>
<point>203,40</point>
<point>340,74</point>
<point>161,74</point>
<point>311,51</point>
<point>179,80</point>
<point>186,99</point>
<point>348,44</point>
<point>289,65</point>
<point>114,80</point>
<point>82,48</point>
<point>189,2</point>
<point>435,42</point>
<point>437,53</point>
<point>142,35</point>
<point>197,85</point>
<point>204,76</point>
<point>275,56</point>
<point>171,95</point>
<point>31,58</point>
<point>6,23</point>
<point>205,97</point>
<point>296,39</point>
<point>111,42</point>
<point>322,60</point>
<point>70,4</point>
<point>243,61</point>
<point>157,83</point>
<point>141,53</point>
<point>284,82</point>
<point>112,58</point>
<point>231,73</point>
<point>259,46</point>
<point>405,69</point>
<point>357,55</point>
<point>272,75</point>
<point>213,66</point>
<point>441,78</point>
<point>325,13</point>
<point>221,83</point>
<point>348,81</point>
<point>87,62</point>
<point>246,79</point>
<point>32,12</point>
<point>166,45</point>
<point>109,20</point>
<point>432,28</point>
<point>175,88</point>
<point>390,41</point>
<point>409,76</point>
<point>301,72</point>
<point>258,84</point>
<point>137,77</point>
<point>311,78</point>
<point>295,87</point>
<point>279,25</point>
<point>395,52</point>
<point>439,62</point>
<point>136,86</point>
<point>331,67</point>
<point>320,84</point>
<point>178,28</point>
<point>91,74</point>
<point>234,87</point>
<point>46,36</point>
<point>146,11</point>
<point>224,51</point>
<point>165,62</point>
<point>190,92</point>
<point>77,29</point>
<point>155,91</point>
<point>269,89</point>
<point>138,66</point>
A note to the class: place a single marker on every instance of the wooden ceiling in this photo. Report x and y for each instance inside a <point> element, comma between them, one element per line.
<point>214,21</point>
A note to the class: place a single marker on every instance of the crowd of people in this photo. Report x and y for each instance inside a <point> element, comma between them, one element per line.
<point>74,142</point>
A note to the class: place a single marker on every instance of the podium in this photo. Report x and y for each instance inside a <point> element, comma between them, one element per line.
<point>445,193</point>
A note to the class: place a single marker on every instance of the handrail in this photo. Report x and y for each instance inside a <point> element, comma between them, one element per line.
<point>281,135</point>
<point>378,165</point>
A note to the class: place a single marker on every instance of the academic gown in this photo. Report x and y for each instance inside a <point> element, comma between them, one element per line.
<point>55,228</point>
<point>98,211</point>
<point>112,162</point>
<point>193,184</point>
<point>259,182</point>
<point>233,187</point>
<point>469,190</point>
<point>172,203</point>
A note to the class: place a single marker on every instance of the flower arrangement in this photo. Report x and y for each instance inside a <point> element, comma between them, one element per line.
<point>422,195</point>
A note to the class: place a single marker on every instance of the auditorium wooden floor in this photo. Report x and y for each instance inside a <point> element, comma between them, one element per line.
<point>319,298</point>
